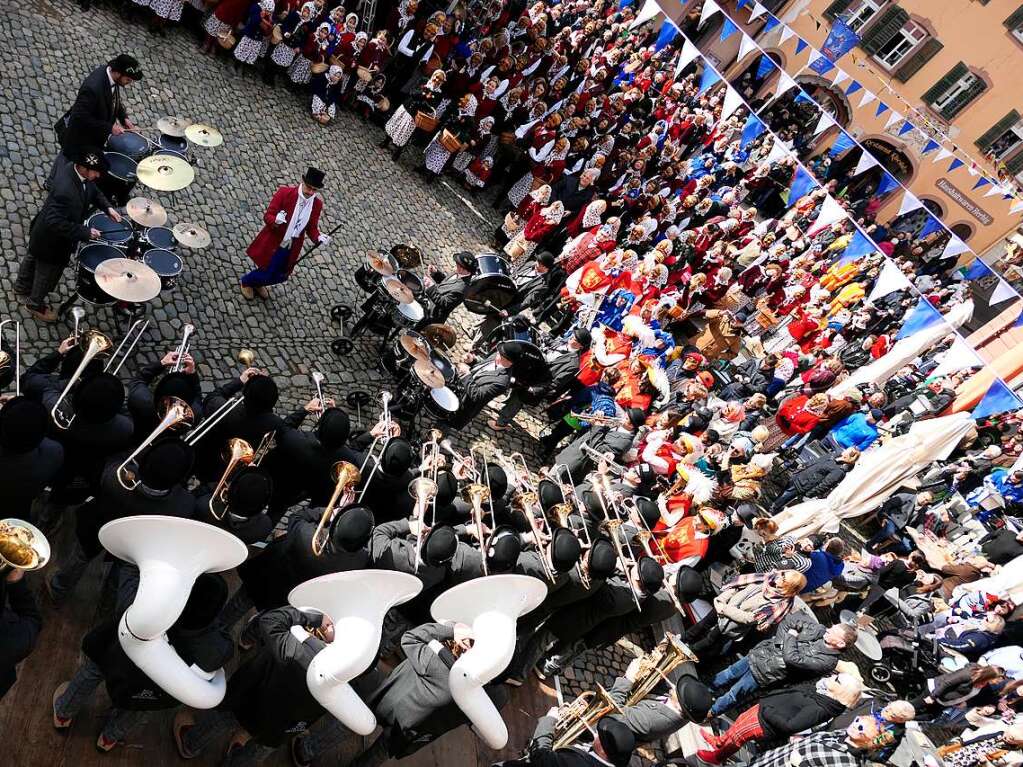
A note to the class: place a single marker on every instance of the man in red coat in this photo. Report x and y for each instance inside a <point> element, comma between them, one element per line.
<point>294,213</point>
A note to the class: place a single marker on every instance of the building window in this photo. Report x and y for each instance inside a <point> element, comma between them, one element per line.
<point>1007,142</point>
<point>957,89</point>
<point>864,12</point>
<point>905,40</point>
<point>1015,24</point>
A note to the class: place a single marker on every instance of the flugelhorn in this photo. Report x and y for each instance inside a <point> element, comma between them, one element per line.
<point>176,413</point>
<point>93,344</point>
<point>346,476</point>
<point>605,460</point>
<point>318,380</point>
<point>238,453</point>
<point>22,546</point>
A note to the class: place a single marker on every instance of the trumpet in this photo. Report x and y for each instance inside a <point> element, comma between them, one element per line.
<point>182,349</point>
<point>599,419</point>
<point>238,453</point>
<point>318,380</point>
<point>176,413</point>
<point>93,344</point>
<point>77,314</point>
<point>606,460</point>
<point>22,546</point>
<point>346,476</point>
<point>5,357</point>
<point>378,442</point>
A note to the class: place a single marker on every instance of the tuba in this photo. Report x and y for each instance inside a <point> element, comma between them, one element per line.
<point>346,476</point>
<point>170,553</point>
<point>669,654</point>
<point>22,546</point>
<point>356,601</point>
<point>176,413</point>
<point>491,606</point>
<point>582,715</point>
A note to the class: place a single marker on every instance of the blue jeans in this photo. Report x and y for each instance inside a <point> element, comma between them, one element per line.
<point>275,272</point>
<point>740,683</point>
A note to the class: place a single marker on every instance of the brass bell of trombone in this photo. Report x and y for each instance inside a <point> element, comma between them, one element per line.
<point>247,357</point>
<point>346,476</point>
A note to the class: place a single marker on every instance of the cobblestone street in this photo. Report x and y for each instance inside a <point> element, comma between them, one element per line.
<point>269,140</point>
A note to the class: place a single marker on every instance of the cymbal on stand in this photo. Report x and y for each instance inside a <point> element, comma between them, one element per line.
<point>128,280</point>
<point>191,235</point>
<point>146,212</point>
<point>165,173</point>
<point>204,135</point>
<point>173,126</point>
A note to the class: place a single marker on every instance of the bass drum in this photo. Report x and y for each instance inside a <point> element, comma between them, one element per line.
<point>165,263</point>
<point>90,257</point>
<point>131,144</point>
<point>492,286</point>
<point>119,181</point>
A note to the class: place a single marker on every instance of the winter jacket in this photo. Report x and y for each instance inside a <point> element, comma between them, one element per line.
<point>796,651</point>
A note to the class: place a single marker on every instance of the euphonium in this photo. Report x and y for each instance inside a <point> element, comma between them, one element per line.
<point>582,715</point>
<point>346,476</point>
<point>669,654</point>
<point>22,546</point>
<point>238,452</point>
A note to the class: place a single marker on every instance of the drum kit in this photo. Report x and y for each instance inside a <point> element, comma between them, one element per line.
<point>164,163</point>
<point>427,377</point>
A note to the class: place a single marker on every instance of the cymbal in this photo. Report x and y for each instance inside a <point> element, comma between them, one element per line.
<point>191,235</point>
<point>146,212</point>
<point>414,344</point>
<point>397,290</point>
<point>440,335</point>
<point>381,263</point>
<point>165,173</point>
<point>127,280</point>
<point>428,374</point>
<point>173,126</point>
<point>204,135</point>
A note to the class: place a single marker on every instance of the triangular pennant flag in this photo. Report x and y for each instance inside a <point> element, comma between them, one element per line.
<point>906,128</point>
<point>881,109</point>
<point>910,202</point>
<point>932,225</point>
<point>802,183</point>
<point>648,11</point>
<point>709,78</point>
<point>842,143</point>
<point>733,100</point>
<point>786,33</point>
<point>709,9</point>
<point>757,12</point>
<point>825,122</point>
<point>998,399</point>
<point>973,171</point>
<point>801,45</point>
<point>956,163</point>
<point>753,129</point>
<point>888,281</point>
<point>887,184</point>
<point>778,152</point>
<point>814,55</point>
<point>1016,207</point>
<point>855,86</point>
<point>746,45</point>
<point>785,84</point>
<point>859,246</point>
<point>667,35</point>
<point>993,191</point>
<point>977,270</point>
<point>727,29</point>
<point>983,181</point>
<point>765,67</point>
<point>867,161</point>
<point>960,356</point>
<point>804,98</point>
<point>893,118</point>
<point>954,247</point>
<point>686,56</point>
<point>771,23</point>
<point>943,154</point>
<point>840,77</point>
<point>1002,293</point>
<point>866,98</point>
<point>930,146</point>
<point>831,212</point>
<point>920,317</point>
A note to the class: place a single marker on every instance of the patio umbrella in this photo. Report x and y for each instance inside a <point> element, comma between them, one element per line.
<point>877,475</point>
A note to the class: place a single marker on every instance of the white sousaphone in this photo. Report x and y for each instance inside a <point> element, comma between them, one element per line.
<point>491,606</point>
<point>170,553</point>
<point>356,602</point>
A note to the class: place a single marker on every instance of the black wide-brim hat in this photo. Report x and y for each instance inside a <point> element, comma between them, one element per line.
<point>314,177</point>
<point>91,158</point>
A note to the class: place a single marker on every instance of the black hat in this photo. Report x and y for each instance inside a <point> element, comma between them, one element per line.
<point>497,480</point>
<point>511,350</point>
<point>688,584</point>
<point>260,394</point>
<point>447,487</point>
<point>603,558</point>
<point>6,376</point>
<point>98,399</point>
<point>582,337</point>
<point>636,416</point>
<point>466,260</point>
<point>546,259</point>
<point>503,549</point>
<point>565,550</point>
<point>617,740</point>
<point>166,464</point>
<point>651,574</point>
<point>694,698</point>
<point>591,504</point>
<point>333,428</point>
<point>70,361</point>
<point>184,386</point>
<point>397,457</point>
<point>550,494</point>
<point>22,425</point>
<point>126,65</point>
<point>351,528</point>
<point>314,177</point>
<point>91,158</point>
<point>648,510</point>
<point>249,492</point>
<point>205,601</point>
<point>439,546</point>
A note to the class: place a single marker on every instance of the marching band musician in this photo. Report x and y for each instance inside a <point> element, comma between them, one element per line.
<point>245,511</point>
<point>20,624</point>
<point>613,745</point>
<point>144,398</point>
<point>658,716</point>
<point>534,286</point>
<point>615,440</point>
<point>485,381</point>
<point>29,460</point>
<point>448,290</point>
<point>387,490</point>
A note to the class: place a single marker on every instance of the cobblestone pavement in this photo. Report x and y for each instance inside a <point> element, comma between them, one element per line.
<point>270,140</point>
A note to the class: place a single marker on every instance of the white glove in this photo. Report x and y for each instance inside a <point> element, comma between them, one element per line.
<point>281,217</point>
<point>324,239</point>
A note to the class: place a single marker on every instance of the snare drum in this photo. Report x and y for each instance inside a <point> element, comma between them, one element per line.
<point>133,145</point>
<point>173,144</point>
<point>158,237</point>
<point>165,263</point>
<point>111,231</point>
<point>406,315</point>
<point>442,402</point>
<point>492,286</point>
<point>411,281</point>
<point>89,257</point>
<point>119,181</point>
<point>396,359</point>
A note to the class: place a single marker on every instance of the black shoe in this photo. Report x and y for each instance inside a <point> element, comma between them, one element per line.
<point>383,144</point>
<point>397,153</point>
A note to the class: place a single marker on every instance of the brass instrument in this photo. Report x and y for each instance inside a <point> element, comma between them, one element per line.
<point>247,357</point>
<point>424,489</point>
<point>561,476</point>
<point>599,419</point>
<point>213,419</point>
<point>22,546</point>
<point>466,460</point>
<point>669,654</point>
<point>612,522</point>
<point>176,413</point>
<point>582,715</point>
<point>378,442</point>
<point>5,357</point>
<point>346,476</point>
<point>93,344</point>
<point>477,494</point>
<point>182,349</point>
<point>238,453</point>
<point>526,504</point>
<point>318,379</point>
<point>127,346</point>
<point>605,460</point>
<point>77,314</point>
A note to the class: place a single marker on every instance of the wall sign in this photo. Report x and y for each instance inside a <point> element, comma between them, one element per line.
<point>960,198</point>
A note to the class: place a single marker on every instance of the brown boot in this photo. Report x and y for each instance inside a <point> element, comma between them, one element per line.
<point>262,292</point>
<point>249,293</point>
<point>42,313</point>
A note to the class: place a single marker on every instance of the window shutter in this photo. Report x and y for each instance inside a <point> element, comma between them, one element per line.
<point>1015,19</point>
<point>960,102</point>
<point>836,8</point>
<point>1015,165</point>
<point>888,23</point>
<point>916,62</point>
<point>945,83</point>
<point>988,138</point>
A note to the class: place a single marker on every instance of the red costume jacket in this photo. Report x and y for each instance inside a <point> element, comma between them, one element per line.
<point>269,238</point>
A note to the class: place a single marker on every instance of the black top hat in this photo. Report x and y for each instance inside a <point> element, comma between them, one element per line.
<point>603,558</point>
<point>565,550</point>
<point>314,177</point>
<point>333,428</point>
<point>688,584</point>
<point>510,350</point>
<point>184,386</point>
<point>166,464</point>
<point>260,394</point>
<point>205,601</point>
<point>439,546</point>
<point>582,337</point>
<point>617,740</point>
<point>549,494</point>
<point>503,549</point>
<point>651,574</point>
<point>694,698</point>
<point>648,510</point>
<point>126,65</point>
<point>351,529</point>
<point>249,492</point>
<point>98,399</point>
<point>91,158</point>
<point>22,425</point>
<point>397,457</point>
<point>497,480</point>
<point>447,487</point>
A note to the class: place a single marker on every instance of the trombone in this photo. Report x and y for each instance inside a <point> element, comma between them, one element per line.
<point>424,489</point>
<point>527,502</point>
<point>466,460</point>
<point>131,339</point>
<point>93,344</point>
<point>607,459</point>
<point>558,474</point>
<point>246,356</point>
<point>238,452</point>
<point>176,412</point>
<point>477,493</point>
<point>346,476</point>
<point>378,442</point>
<point>645,535</point>
<point>5,357</point>
<point>613,523</point>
